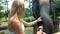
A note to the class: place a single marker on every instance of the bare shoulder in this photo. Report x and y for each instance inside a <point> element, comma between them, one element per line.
<point>16,22</point>
<point>12,19</point>
<point>13,24</point>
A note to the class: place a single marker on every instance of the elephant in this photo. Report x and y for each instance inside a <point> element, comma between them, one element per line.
<point>43,9</point>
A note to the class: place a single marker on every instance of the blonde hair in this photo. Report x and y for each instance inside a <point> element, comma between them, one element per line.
<point>15,6</point>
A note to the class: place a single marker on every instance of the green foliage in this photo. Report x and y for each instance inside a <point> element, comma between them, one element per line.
<point>7,13</point>
<point>28,12</point>
<point>29,19</point>
<point>56,4</point>
<point>29,30</point>
<point>1,14</point>
<point>1,8</point>
<point>4,19</point>
<point>58,8</point>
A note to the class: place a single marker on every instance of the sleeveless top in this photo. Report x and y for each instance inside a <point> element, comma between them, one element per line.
<point>14,32</point>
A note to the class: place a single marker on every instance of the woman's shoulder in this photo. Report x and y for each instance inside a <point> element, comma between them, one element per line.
<point>13,20</point>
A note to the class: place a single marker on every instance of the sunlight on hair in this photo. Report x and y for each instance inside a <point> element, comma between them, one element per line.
<point>26,4</point>
<point>21,1</point>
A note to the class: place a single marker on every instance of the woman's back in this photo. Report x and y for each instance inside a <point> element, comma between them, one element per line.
<point>11,26</point>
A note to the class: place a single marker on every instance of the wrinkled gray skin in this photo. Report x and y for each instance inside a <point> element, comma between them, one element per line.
<point>47,22</point>
<point>43,11</point>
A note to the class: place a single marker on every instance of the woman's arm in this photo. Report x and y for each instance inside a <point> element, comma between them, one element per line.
<point>18,27</point>
<point>31,23</point>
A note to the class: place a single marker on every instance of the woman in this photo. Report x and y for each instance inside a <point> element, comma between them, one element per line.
<point>16,22</point>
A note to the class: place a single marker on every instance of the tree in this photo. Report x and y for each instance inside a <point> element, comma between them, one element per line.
<point>1,8</point>
<point>57,8</point>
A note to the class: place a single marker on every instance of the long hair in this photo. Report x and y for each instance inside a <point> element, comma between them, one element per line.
<point>16,6</point>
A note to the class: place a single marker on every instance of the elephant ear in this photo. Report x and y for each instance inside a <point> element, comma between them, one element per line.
<point>35,9</point>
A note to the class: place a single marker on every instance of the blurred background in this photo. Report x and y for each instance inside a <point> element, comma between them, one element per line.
<point>5,7</point>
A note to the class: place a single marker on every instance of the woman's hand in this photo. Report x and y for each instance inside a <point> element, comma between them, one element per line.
<point>39,19</point>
